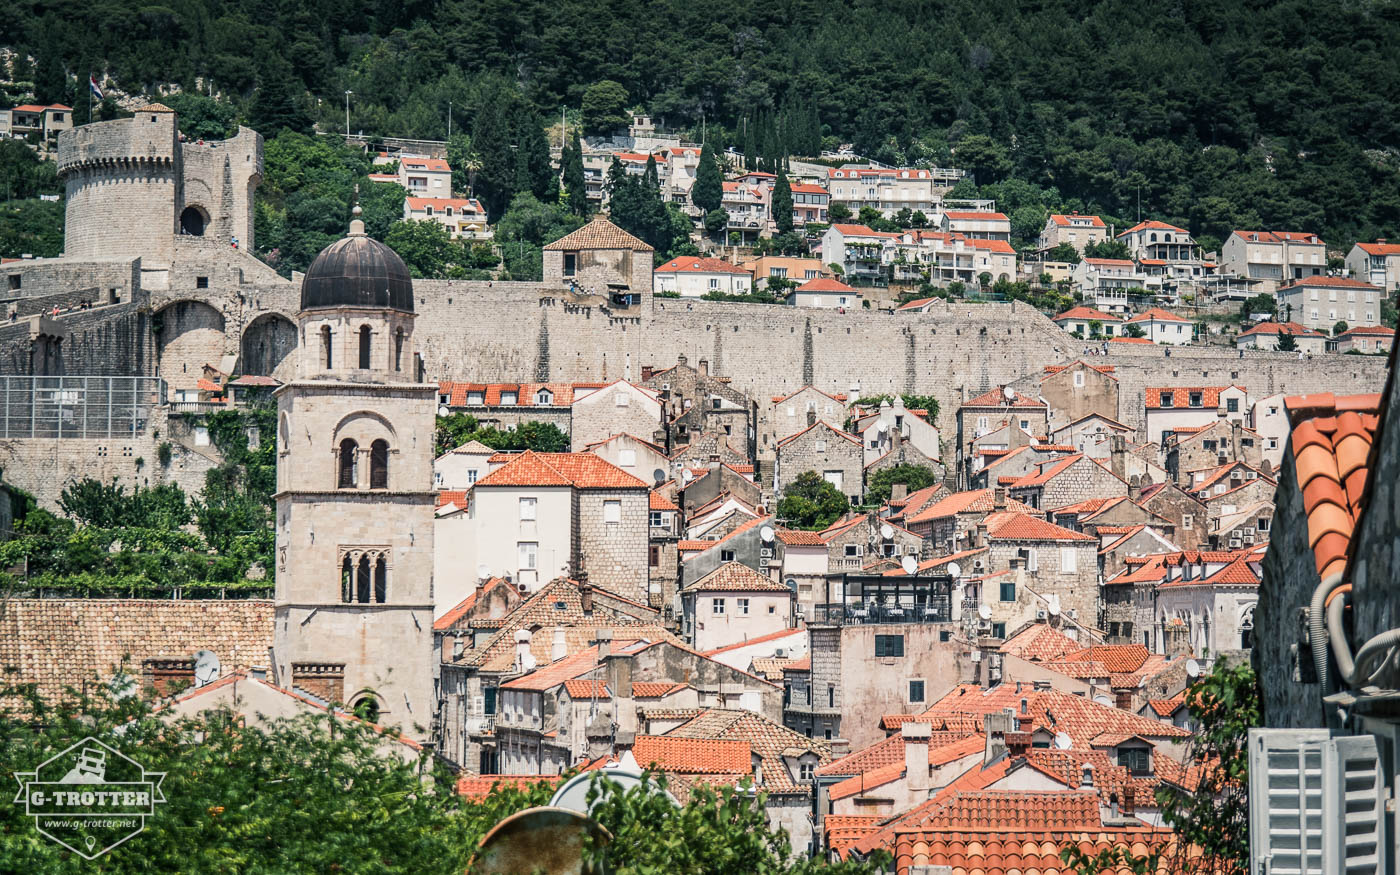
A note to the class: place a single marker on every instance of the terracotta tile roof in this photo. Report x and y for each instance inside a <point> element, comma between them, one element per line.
<point>972,501</point>
<point>916,304</point>
<point>803,664</point>
<point>1080,718</point>
<point>1165,708</point>
<point>456,497</point>
<point>1102,369</point>
<point>997,398</point>
<point>736,577</point>
<point>825,284</point>
<point>770,667</point>
<point>696,756</point>
<point>550,675</point>
<point>854,230</point>
<point>819,424</point>
<point>1375,330</point>
<point>462,608</point>
<point>1040,643</point>
<point>1110,262</point>
<point>469,205</point>
<point>587,689</point>
<point>579,470</point>
<point>670,714</point>
<point>1181,396</point>
<point>435,164</point>
<point>598,234</point>
<point>767,739</point>
<point>941,561</point>
<point>1278,237</point>
<point>1277,328</point>
<point>1380,248</point>
<point>800,538</point>
<point>1077,219</point>
<point>779,399</point>
<point>1335,282</point>
<point>699,264</point>
<point>1130,340</point>
<point>57,643</point>
<point>561,394</point>
<point>1159,315</point>
<point>991,245</point>
<point>690,546</point>
<point>1152,225</point>
<point>1012,526</point>
<point>482,786</point>
<point>1118,658</point>
<point>761,639</point>
<point>844,829</point>
<point>656,689</point>
<point>657,500</point>
<point>1048,471</point>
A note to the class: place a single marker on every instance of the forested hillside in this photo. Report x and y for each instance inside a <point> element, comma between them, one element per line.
<point>1212,113</point>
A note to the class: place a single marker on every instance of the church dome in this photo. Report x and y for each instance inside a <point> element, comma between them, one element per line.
<point>357,271</point>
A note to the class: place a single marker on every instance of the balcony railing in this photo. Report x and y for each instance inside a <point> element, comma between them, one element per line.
<point>854,614</point>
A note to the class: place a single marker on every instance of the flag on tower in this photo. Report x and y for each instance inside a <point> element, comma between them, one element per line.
<point>96,92</point>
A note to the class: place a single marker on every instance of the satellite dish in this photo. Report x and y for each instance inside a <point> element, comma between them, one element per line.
<point>573,793</point>
<point>909,565</point>
<point>483,571</point>
<point>1063,741</point>
<point>443,411</point>
<point>658,476</point>
<point>954,570</point>
<point>686,475</point>
<point>984,612</point>
<point>1193,668</point>
<point>1009,393</point>
<point>1052,604</point>
<point>206,667</point>
<point>766,533</point>
<point>882,427</point>
<point>537,840</point>
<point>887,531</point>
<point>1103,700</point>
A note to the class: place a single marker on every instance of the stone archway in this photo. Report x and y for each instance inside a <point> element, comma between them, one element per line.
<point>189,335</point>
<point>194,219</point>
<point>267,346</point>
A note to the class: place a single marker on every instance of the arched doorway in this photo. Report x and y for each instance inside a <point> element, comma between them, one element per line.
<point>193,221</point>
<point>268,343</point>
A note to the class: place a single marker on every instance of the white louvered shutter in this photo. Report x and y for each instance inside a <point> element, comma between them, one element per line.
<point>1353,807</point>
<point>1285,801</point>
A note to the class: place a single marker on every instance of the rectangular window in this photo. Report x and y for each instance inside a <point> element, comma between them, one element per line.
<point>201,282</point>
<point>889,645</point>
<point>472,475</point>
<point>1166,399</point>
<point>1188,520</point>
<point>489,700</point>
<point>655,519</point>
<point>743,605</point>
<point>944,635</point>
<point>726,555</point>
<point>852,550</point>
<point>1008,591</point>
<point>716,606</point>
<point>655,555</point>
<point>570,263</point>
<point>1232,405</point>
<point>916,691</point>
<point>529,554</point>
<point>1195,399</point>
<point>998,630</point>
<point>1134,759</point>
<point>830,696</point>
<point>612,512</point>
<point>1069,560</point>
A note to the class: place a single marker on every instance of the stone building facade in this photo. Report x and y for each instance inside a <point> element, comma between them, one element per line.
<point>832,453</point>
<point>1078,390</point>
<point>602,259</point>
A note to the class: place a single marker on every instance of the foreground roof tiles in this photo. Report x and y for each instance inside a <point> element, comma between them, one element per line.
<point>695,756</point>
<point>1331,445</point>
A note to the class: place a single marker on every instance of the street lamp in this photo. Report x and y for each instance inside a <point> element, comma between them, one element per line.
<point>347,113</point>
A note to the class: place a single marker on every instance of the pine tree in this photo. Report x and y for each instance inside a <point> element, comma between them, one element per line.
<point>618,180</point>
<point>650,175</point>
<point>708,191</point>
<point>533,151</point>
<point>499,174</point>
<point>782,204</point>
<point>575,183</point>
<point>277,104</point>
<point>750,144</point>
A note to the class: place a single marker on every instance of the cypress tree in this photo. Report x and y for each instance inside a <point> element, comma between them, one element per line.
<point>574,181</point>
<point>708,191</point>
<point>782,204</point>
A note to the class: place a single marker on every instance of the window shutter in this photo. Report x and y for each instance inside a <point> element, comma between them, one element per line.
<point>1352,800</point>
<point>1285,799</point>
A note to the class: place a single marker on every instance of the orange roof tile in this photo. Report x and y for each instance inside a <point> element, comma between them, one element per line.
<point>1012,526</point>
<point>655,690</point>
<point>1158,314</point>
<point>599,234</point>
<point>800,538</point>
<point>1165,708</point>
<point>657,500</point>
<point>736,577</point>
<point>772,636</point>
<point>482,786</point>
<point>997,398</point>
<point>1335,282</point>
<point>1040,643</point>
<point>1076,219</point>
<point>1152,225</point>
<point>699,264</point>
<point>586,689</point>
<point>825,284</point>
<point>580,470</point>
<point>972,501</point>
<point>1380,248</point>
<point>1181,396</point>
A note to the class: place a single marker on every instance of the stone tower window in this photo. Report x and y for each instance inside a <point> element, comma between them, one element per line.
<point>381,580</point>
<point>364,347</point>
<point>349,465</point>
<point>362,580</point>
<point>366,708</point>
<point>192,221</point>
<point>379,465</point>
<point>398,350</point>
<point>364,575</point>
<point>326,345</point>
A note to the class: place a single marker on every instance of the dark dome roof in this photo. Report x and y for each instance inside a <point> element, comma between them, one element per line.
<point>357,271</point>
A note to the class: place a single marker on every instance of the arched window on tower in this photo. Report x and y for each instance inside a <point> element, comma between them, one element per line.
<point>347,580</point>
<point>379,465</point>
<point>381,580</point>
<point>326,345</point>
<point>362,582</point>
<point>398,350</point>
<point>349,465</point>
<point>364,347</point>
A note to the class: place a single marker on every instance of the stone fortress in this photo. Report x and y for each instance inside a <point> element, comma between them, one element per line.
<point>152,223</point>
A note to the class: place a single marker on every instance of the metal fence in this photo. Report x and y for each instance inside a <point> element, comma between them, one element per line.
<point>77,407</point>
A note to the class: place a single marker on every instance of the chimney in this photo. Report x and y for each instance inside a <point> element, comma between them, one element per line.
<point>647,371</point>
<point>981,535</point>
<point>558,648</point>
<point>997,725</point>
<point>603,638</point>
<point>1018,743</point>
<point>682,360</point>
<point>1129,801</point>
<point>704,367</point>
<point>585,593</point>
<point>999,498</point>
<point>1135,489</point>
<point>916,768</point>
<point>899,491</point>
<point>618,668</point>
<point>1118,456</point>
<point>1086,776</point>
<point>524,659</point>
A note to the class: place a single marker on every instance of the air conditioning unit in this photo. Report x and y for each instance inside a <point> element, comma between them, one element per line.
<point>762,563</point>
<point>1235,543</point>
<point>765,552</point>
<point>1248,539</point>
<point>1074,613</point>
<point>1041,614</point>
<point>780,653</point>
<point>984,626</point>
<point>975,656</point>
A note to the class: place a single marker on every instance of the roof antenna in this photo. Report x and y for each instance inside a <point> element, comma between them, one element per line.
<point>357,225</point>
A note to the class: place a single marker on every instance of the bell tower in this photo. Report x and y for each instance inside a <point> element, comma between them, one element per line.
<point>355,504</point>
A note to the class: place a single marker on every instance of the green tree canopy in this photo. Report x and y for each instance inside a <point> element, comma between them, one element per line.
<point>708,191</point>
<point>879,484</point>
<point>1287,343</point>
<point>782,204</point>
<point>575,182</point>
<point>1107,249</point>
<point>460,428</point>
<point>810,502</point>
<point>1260,303</point>
<point>604,108</point>
<point>1064,252</point>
